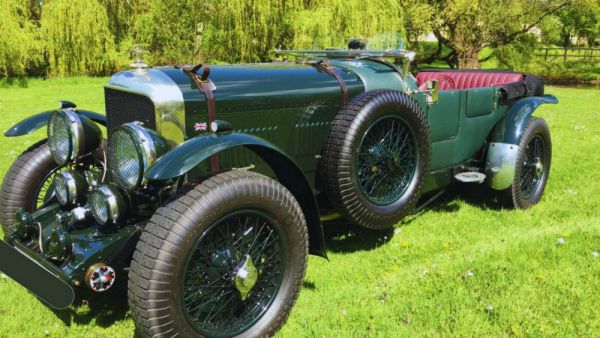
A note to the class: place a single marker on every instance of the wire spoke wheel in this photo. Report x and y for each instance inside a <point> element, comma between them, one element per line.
<point>45,191</point>
<point>532,167</point>
<point>233,274</point>
<point>387,160</point>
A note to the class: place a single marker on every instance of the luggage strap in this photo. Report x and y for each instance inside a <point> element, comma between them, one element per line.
<point>325,66</point>
<point>207,87</point>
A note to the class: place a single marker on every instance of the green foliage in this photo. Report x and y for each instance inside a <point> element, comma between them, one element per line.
<point>18,50</point>
<point>518,55</point>
<point>171,29</point>
<point>417,18</point>
<point>329,23</point>
<point>581,20</point>
<point>94,37</point>
<point>77,39</point>
<point>468,26</point>
<point>557,71</point>
<point>247,30</point>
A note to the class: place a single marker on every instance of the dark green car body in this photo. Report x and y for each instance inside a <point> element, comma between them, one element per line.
<point>280,116</point>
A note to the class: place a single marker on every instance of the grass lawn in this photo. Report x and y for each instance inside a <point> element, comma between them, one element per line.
<point>461,268</point>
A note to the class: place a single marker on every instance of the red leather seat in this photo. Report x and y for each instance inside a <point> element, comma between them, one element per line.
<point>449,80</point>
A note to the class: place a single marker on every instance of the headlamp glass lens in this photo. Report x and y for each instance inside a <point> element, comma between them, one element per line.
<point>125,160</point>
<point>61,189</point>
<point>99,207</point>
<point>59,138</point>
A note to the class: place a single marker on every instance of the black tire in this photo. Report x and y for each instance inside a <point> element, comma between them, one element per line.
<point>23,181</point>
<point>160,260</point>
<point>339,165</point>
<point>521,195</point>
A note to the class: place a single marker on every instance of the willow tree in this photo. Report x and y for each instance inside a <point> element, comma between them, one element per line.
<point>76,38</point>
<point>18,50</point>
<point>248,30</point>
<point>121,16</point>
<point>171,30</point>
<point>329,23</point>
<point>191,31</point>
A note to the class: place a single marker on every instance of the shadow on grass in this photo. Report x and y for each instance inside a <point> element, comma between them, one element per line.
<point>477,195</point>
<point>20,82</point>
<point>342,237</point>
<point>103,309</point>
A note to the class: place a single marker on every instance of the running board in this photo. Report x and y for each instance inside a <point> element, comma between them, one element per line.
<point>470,177</point>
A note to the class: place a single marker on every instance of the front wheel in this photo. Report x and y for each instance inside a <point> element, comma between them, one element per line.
<point>532,166</point>
<point>27,185</point>
<point>224,260</point>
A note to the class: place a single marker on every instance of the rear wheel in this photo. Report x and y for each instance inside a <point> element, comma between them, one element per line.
<point>226,259</point>
<point>28,183</point>
<point>533,166</point>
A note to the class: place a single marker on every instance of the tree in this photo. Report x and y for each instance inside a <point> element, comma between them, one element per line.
<point>468,26</point>
<point>191,31</point>
<point>329,23</point>
<point>580,20</point>
<point>19,50</point>
<point>76,38</point>
<point>248,30</point>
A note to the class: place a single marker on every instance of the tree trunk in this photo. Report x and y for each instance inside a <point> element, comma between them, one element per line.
<point>468,59</point>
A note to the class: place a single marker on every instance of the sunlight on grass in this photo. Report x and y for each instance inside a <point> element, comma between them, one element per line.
<point>458,269</point>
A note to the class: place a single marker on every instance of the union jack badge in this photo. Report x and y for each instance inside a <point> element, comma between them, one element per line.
<point>201,126</point>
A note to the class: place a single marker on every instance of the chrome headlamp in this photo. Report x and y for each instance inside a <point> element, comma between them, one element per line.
<point>71,135</point>
<point>108,204</point>
<point>131,150</point>
<point>70,187</point>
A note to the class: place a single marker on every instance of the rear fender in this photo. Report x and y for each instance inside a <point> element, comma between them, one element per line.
<point>504,140</point>
<point>191,153</point>
<point>35,122</point>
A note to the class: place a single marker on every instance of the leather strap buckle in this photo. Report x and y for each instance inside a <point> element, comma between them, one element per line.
<point>325,66</point>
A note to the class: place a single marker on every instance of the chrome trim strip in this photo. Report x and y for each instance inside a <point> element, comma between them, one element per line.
<point>71,186</point>
<point>78,139</point>
<point>163,92</point>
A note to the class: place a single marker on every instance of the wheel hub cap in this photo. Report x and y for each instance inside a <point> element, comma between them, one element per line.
<point>233,274</point>
<point>245,277</point>
<point>539,167</point>
<point>387,160</point>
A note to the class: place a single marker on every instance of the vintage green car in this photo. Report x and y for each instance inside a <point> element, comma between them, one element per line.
<point>210,190</point>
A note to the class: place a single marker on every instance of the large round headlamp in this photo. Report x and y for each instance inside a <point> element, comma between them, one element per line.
<point>70,187</point>
<point>108,204</point>
<point>131,150</point>
<point>71,135</point>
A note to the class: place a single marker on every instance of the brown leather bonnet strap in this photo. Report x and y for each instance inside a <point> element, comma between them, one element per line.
<point>325,66</point>
<point>206,86</point>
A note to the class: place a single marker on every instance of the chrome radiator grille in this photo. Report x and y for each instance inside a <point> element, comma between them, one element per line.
<point>123,107</point>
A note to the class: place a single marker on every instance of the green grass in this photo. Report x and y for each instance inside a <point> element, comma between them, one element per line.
<point>414,280</point>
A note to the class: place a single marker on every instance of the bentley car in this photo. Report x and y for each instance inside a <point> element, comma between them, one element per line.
<point>203,189</point>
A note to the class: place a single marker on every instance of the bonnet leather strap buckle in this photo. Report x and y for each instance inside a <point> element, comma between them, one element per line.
<point>325,66</point>
<point>207,87</point>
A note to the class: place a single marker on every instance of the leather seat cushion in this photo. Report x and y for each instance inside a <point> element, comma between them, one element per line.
<point>459,79</point>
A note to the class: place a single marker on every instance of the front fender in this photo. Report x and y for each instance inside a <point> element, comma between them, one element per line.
<point>503,148</point>
<point>35,122</point>
<point>191,153</point>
